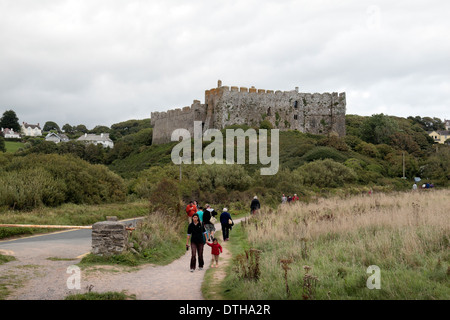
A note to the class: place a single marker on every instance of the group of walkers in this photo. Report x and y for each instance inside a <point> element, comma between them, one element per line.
<point>289,199</point>
<point>201,231</point>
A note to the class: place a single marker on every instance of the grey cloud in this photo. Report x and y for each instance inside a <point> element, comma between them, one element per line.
<point>108,61</point>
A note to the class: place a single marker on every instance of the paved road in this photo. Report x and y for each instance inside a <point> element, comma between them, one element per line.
<point>62,244</point>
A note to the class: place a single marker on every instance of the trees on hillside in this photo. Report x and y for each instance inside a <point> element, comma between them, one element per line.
<point>428,123</point>
<point>378,129</point>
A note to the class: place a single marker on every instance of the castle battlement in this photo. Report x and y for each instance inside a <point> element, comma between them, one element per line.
<point>169,114</point>
<point>223,89</point>
<point>318,113</point>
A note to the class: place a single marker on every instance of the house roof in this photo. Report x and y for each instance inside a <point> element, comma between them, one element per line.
<point>95,137</point>
<point>58,135</point>
<point>32,126</point>
<point>439,132</point>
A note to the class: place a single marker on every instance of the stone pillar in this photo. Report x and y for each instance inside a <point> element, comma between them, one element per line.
<point>109,238</point>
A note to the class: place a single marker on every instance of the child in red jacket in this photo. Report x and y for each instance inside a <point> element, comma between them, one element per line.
<point>216,249</point>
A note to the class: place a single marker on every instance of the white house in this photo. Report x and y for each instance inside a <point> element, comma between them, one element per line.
<point>9,133</point>
<point>31,130</point>
<point>56,137</point>
<point>102,139</point>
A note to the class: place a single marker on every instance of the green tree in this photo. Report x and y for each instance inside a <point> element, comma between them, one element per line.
<point>100,129</point>
<point>378,129</point>
<point>9,120</point>
<point>67,128</point>
<point>428,123</point>
<point>50,125</point>
<point>81,128</point>
<point>437,166</point>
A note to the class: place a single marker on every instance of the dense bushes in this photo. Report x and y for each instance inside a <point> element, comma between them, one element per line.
<point>321,153</point>
<point>326,173</point>
<point>50,180</point>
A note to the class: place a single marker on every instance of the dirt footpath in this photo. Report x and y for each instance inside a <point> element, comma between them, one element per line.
<point>47,280</point>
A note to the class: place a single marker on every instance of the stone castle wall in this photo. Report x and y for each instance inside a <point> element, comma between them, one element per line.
<point>318,113</point>
<point>164,123</point>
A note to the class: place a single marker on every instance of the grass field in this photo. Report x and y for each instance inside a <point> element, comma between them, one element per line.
<point>323,250</point>
<point>12,146</point>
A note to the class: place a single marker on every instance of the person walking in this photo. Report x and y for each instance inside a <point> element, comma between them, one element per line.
<point>208,215</point>
<point>216,250</point>
<point>200,214</point>
<point>283,199</point>
<point>191,208</point>
<point>196,233</point>
<point>225,219</point>
<point>255,205</point>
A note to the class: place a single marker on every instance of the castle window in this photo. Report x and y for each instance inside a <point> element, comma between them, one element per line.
<point>295,104</point>
<point>295,117</point>
<point>269,113</point>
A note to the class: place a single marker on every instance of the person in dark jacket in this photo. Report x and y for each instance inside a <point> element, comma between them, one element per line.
<point>255,205</point>
<point>197,234</point>
<point>225,218</point>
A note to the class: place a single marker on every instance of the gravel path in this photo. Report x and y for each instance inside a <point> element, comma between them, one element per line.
<point>43,279</point>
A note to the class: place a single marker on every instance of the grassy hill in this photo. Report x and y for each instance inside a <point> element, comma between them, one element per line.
<point>374,155</point>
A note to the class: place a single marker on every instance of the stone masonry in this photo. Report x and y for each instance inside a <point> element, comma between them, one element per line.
<point>317,113</point>
<point>109,238</point>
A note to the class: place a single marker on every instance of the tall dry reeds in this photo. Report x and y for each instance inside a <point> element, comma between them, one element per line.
<point>406,234</point>
<point>373,214</point>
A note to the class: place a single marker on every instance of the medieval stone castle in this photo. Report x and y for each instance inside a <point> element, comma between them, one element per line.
<point>318,113</point>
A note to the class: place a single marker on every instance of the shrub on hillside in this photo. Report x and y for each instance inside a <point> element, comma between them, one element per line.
<point>49,179</point>
<point>231,177</point>
<point>367,149</point>
<point>321,153</point>
<point>326,173</point>
<point>337,143</point>
<point>165,197</point>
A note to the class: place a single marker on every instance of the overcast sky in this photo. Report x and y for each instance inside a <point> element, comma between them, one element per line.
<point>102,62</point>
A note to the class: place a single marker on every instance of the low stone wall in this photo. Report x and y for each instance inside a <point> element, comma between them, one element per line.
<point>109,238</point>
